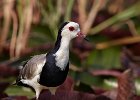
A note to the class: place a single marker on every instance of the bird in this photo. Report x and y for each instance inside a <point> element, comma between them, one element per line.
<point>49,70</point>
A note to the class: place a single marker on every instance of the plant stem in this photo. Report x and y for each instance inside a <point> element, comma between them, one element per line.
<point>124,15</point>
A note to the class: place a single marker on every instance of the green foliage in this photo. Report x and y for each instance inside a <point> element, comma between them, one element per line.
<point>68,11</point>
<point>41,34</point>
<point>19,91</point>
<point>122,16</point>
<point>105,59</point>
<point>86,78</point>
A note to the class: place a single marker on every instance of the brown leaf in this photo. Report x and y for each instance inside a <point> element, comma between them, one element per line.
<point>136,97</point>
<point>3,86</point>
<point>3,95</point>
<point>129,60</point>
<point>67,85</point>
<point>111,94</point>
<point>126,88</point>
<point>67,95</point>
<point>16,98</point>
<point>114,73</point>
<point>134,48</point>
<point>102,97</point>
<point>7,71</point>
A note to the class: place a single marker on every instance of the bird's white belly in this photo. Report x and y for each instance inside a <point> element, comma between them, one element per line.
<point>32,82</point>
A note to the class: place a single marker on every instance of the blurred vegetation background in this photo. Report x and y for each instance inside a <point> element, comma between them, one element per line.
<point>29,27</point>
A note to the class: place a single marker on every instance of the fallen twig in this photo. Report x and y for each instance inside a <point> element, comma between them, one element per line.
<point>122,41</point>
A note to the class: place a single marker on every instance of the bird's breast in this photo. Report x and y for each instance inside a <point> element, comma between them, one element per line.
<point>62,59</point>
<point>52,75</point>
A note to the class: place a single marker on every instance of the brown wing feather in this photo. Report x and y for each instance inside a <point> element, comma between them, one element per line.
<point>33,67</point>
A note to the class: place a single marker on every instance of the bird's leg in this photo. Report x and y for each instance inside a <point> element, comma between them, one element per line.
<point>37,91</point>
<point>52,90</point>
<point>37,88</point>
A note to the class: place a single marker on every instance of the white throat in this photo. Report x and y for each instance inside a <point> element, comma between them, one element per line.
<point>62,55</point>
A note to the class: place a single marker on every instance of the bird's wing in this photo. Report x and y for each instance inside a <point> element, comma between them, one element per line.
<point>33,67</point>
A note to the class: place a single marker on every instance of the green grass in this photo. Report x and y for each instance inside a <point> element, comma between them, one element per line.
<point>19,91</point>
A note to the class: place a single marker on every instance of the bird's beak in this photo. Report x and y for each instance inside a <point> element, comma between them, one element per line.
<point>81,35</point>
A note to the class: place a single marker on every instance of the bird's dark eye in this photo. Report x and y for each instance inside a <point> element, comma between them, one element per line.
<point>71,28</point>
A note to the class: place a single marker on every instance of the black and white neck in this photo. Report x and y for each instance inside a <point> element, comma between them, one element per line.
<point>62,48</point>
<point>62,54</point>
<point>66,33</point>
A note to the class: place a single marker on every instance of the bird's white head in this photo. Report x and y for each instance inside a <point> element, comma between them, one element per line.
<point>71,30</point>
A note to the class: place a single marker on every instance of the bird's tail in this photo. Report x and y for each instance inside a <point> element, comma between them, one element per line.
<point>18,82</point>
<point>15,83</point>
